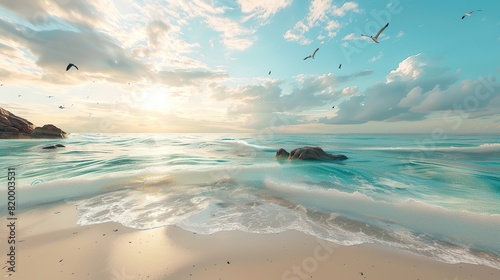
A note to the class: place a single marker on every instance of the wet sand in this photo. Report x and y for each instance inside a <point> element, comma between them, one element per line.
<point>50,245</point>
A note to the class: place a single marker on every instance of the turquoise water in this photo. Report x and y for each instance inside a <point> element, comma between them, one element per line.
<point>433,195</point>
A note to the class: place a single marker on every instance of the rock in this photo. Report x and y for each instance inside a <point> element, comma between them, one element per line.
<point>50,147</point>
<point>14,127</point>
<point>308,153</point>
<point>54,146</point>
<point>282,153</point>
<point>48,131</point>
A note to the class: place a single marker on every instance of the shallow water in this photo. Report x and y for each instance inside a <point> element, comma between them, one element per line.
<point>434,197</point>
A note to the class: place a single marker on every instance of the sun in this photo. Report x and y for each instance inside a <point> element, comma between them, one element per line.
<point>156,99</point>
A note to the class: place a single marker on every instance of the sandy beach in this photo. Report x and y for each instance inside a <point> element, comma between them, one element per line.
<point>50,245</point>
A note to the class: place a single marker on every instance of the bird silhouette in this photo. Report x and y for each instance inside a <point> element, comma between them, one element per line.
<point>375,38</point>
<point>340,65</point>
<point>311,55</point>
<point>71,65</point>
<point>61,107</point>
<point>269,73</point>
<point>468,14</point>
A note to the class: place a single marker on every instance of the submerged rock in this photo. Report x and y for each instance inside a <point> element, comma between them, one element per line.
<point>54,146</point>
<point>308,153</point>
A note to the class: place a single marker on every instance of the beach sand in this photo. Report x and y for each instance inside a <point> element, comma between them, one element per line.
<point>50,245</point>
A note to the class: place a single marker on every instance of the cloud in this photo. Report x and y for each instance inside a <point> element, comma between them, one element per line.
<point>332,27</point>
<point>377,57</point>
<point>347,6</point>
<point>351,37</point>
<point>233,35</point>
<point>37,12</point>
<point>318,11</point>
<point>348,91</point>
<point>417,88</point>
<point>262,9</point>
<point>118,47</point>
<point>257,104</point>
<point>297,34</point>
<point>156,31</point>
<point>189,78</point>
<point>320,15</point>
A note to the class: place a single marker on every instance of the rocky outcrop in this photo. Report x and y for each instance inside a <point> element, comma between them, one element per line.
<point>14,127</point>
<point>308,153</point>
<point>48,131</point>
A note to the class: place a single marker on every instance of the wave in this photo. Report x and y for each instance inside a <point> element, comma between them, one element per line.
<point>344,218</point>
<point>460,225</point>
<point>244,143</point>
<point>483,148</point>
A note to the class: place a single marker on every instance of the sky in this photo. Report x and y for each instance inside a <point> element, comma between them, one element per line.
<point>238,66</point>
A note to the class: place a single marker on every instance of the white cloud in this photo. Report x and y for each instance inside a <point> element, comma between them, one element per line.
<point>233,35</point>
<point>297,34</point>
<point>347,6</point>
<point>262,9</point>
<point>377,57</point>
<point>317,11</point>
<point>348,91</point>
<point>351,37</point>
<point>400,34</point>
<point>410,68</point>
<point>319,15</point>
<point>419,87</point>
<point>332,27</point>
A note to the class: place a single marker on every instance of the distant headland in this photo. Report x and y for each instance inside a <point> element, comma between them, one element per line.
<point>14,127</point>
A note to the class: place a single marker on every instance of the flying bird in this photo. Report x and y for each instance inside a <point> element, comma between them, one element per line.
<point>375,38</point>
<point>19,95</point>
<point>269,73</point>
<point>311,55</point>
<point>50,96</point>
<point>468,14</point>
<point>61,107</point>
<point>340,65</point>
<point>71,65</point>
<point>333,107</point>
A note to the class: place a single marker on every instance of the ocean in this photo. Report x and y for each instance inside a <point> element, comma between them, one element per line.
<point>434,195</point>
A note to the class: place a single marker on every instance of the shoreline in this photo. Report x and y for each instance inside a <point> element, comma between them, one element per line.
<point>50,243</point>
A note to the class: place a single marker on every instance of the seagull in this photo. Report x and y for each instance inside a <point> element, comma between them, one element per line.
<point>71,65</point>
<point>269,73</point>
<point>312,55</point>
<point>374,38</point>
<point>340,66</point>
<point>61,107</point>
<point>468,14</point>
